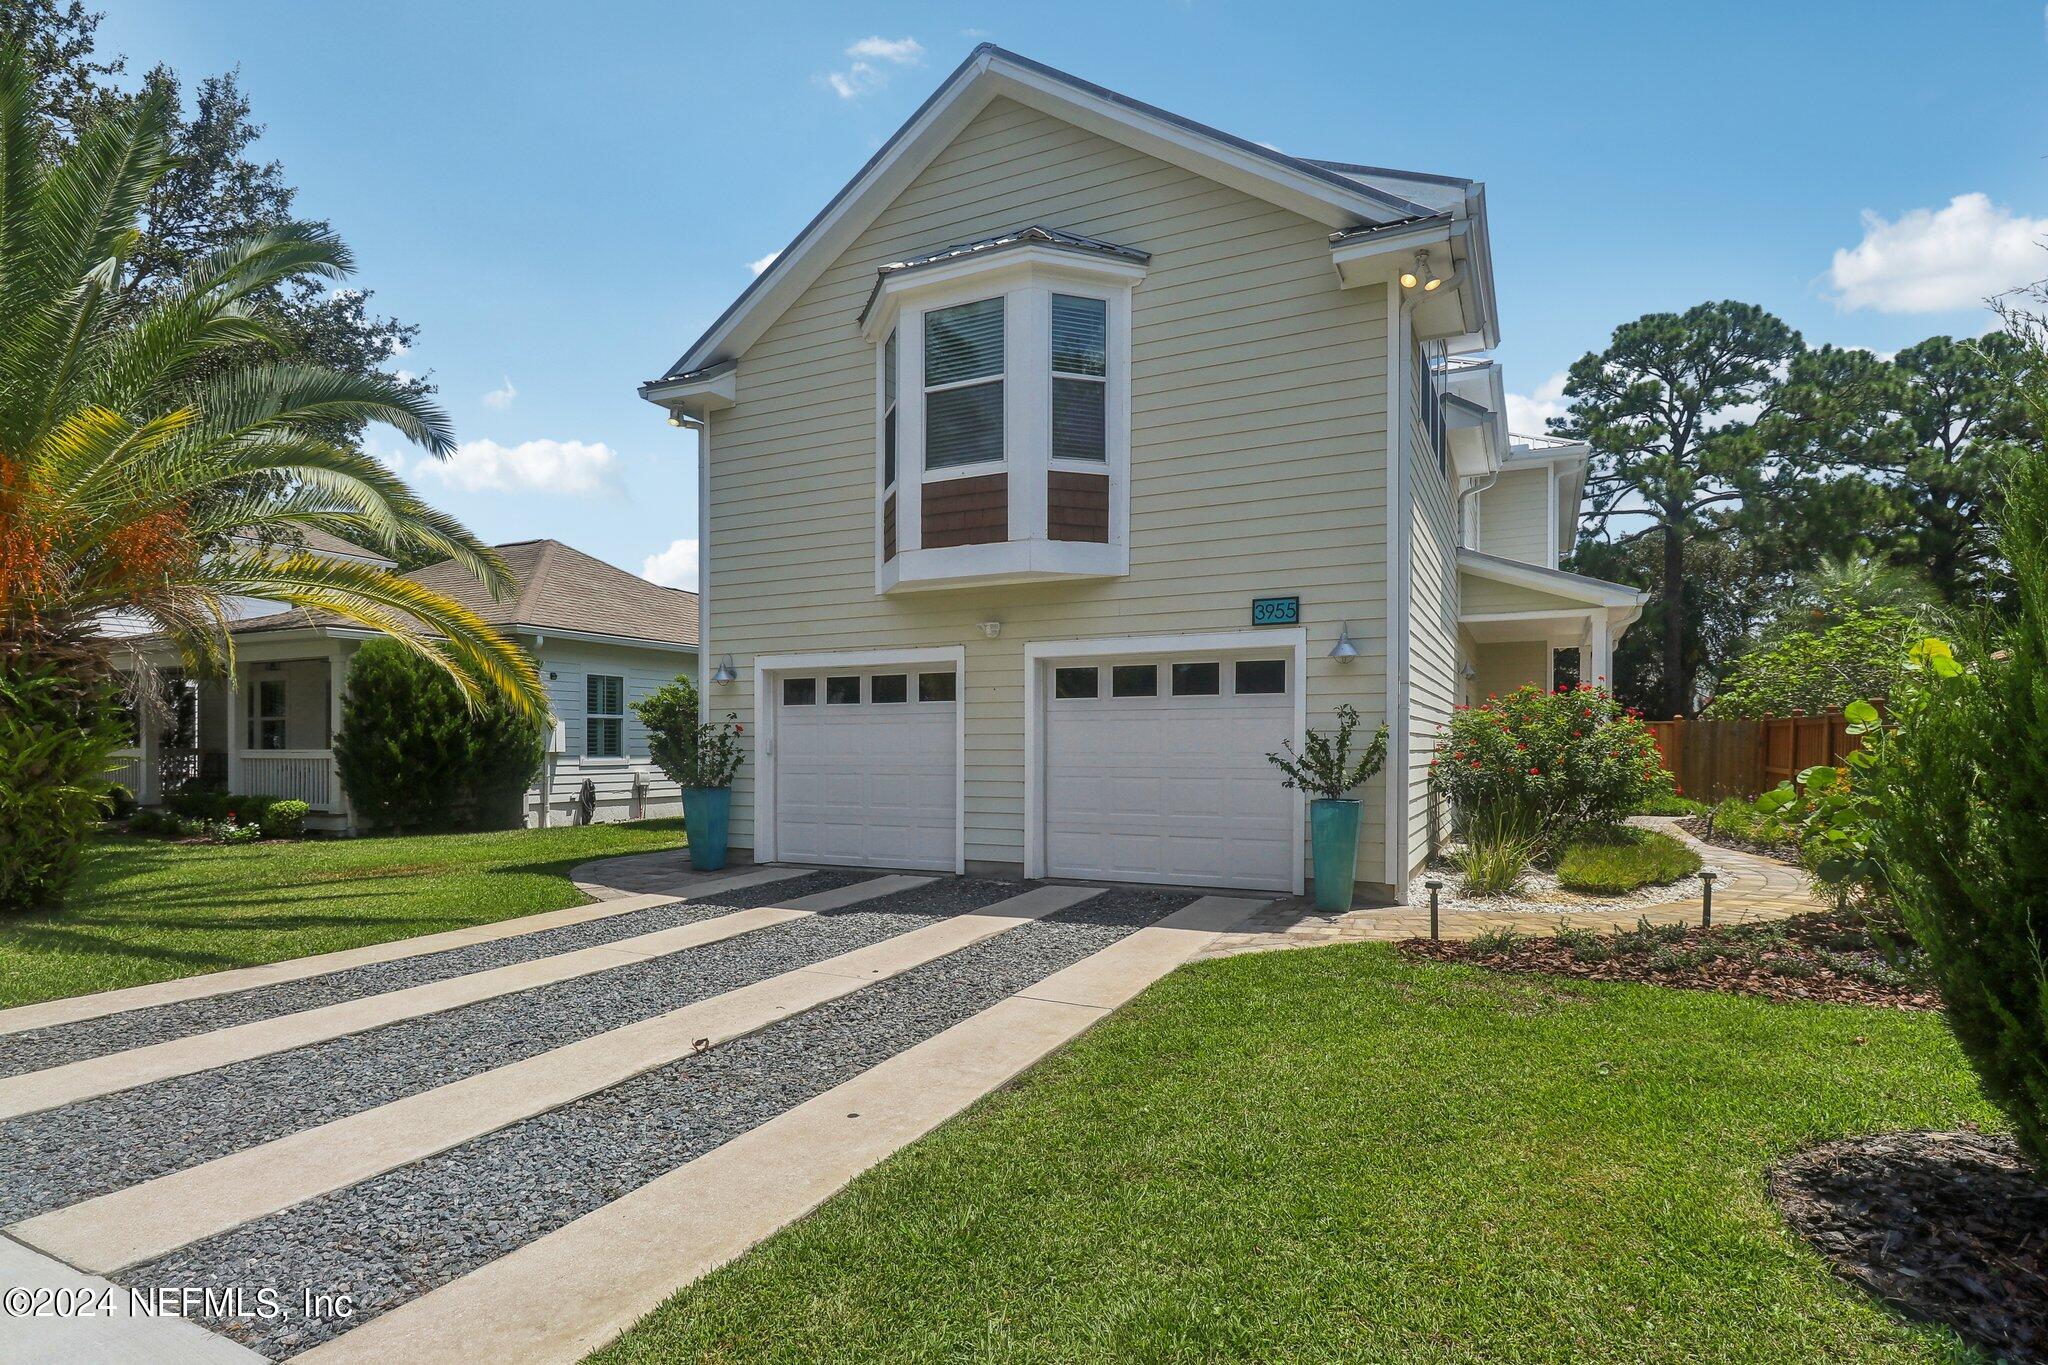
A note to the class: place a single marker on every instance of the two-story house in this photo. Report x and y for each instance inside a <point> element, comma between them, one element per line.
<point>1074,457</point>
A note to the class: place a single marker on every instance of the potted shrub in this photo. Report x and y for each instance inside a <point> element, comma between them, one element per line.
<point>1325,770</point>
<point>700,756</point>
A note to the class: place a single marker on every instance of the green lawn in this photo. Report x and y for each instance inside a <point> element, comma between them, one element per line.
<point>1334,1154</point>
<point>148,910</point>
<point>1618,861</point>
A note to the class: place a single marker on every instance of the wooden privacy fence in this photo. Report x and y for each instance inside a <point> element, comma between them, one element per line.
<point>1715,759</point>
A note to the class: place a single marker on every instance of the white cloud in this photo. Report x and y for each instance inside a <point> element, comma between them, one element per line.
<point>501,397</point>
<point>1935,260</point>
<point>675,567</point>
<point>1529,414</point>
<point>762,263</point>
<point>575,468</point>
<point>874,61</point>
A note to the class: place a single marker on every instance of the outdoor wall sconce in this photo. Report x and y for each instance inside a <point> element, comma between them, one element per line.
<point>992,628</point>
<point>724,673</point>
<point>1346,647</point>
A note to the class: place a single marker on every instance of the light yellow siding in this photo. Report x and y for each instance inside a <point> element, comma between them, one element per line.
<point>1482,595</point>
<point>1257,450</point>
<point>1432,629</point>
<point>1514,518</point>
<point>1505,665</point>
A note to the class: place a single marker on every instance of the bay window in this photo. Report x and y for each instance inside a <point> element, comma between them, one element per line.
<point>1002,412</point>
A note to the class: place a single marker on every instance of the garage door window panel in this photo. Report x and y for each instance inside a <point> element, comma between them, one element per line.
<point>936,686</point>
<point>1074,684</point>
<point>1261,677</point>
<point>1134,680</point>
<point>889,689</point>
<point>1197,680</point>
<point>799,691</point>
<point>843,691</point>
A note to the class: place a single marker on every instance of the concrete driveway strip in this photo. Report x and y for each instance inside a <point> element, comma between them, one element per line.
<point>71,1009</point>
<point>110,1334</point>
<point>145,1221</point>
<point>60,1085</point>
<point>559,1297</point>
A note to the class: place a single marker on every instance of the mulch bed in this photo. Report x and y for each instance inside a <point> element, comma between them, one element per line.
<point>1823,956</point>
<point>1696,826</point>
<point>1949,1227</point>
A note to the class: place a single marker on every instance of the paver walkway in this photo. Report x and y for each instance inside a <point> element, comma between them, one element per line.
<point>509,1145</point>
<point>1750,890</point>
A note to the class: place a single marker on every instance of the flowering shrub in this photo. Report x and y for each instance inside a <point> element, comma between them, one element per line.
<point>1560,761</point>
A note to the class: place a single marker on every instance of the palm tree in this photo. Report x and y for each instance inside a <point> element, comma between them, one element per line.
<point>158,460</point>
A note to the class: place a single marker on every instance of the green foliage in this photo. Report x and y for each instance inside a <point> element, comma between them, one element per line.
<point>1563,761</point>
<point>1615,862</point>
<point>1493,942</point>
<point>58,731</point>
<point>1749,822</point>
<point>1812,672</point>
<point>195,804</point>
<point>1500,843</point>
<point>1659,407</point>
<point>160,459</point>
<point>1958,801</point>
<point>1325,768</point>
<point>689,751</point>
<point>413,754</point>
<point>284,819</point>
<point>1670,803</point>
<point>120,802</point>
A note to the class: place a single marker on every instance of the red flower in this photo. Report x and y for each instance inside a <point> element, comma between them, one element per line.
<point>1535,772</point>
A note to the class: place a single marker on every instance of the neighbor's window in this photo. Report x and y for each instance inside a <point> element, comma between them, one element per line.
<point>604,716</point>
<point>1080,378</point>
<point>889,411</point>
<point>963,384</point>
<point>266,714</point>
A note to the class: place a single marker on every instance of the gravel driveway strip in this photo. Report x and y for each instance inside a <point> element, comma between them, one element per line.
<point>62,1156</point>
<point>394,1237</point>
<point>35,1049</point>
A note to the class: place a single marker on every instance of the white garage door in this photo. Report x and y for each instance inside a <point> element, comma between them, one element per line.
<point>1155,770</point>
<point>865,768</point>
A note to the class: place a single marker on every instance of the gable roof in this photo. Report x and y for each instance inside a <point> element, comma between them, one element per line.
<point>1340,201</point>
<point>1576,586</point>
<point>559,588</point>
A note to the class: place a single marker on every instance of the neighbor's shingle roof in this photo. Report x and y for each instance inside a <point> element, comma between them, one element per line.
<point>556,587</point>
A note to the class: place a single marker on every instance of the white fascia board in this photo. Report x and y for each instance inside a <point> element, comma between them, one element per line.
<point>1558,582</point>
<point>697,394</point>
<point>982,77</point>
<point>1002,268</point>
<point>1373,257</point>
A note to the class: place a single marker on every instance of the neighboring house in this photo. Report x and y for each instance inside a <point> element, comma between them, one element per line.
<point>601,637</point>
<point>1075,457</point>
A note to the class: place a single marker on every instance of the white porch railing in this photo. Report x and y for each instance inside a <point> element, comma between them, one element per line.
<point>289,774</point>
<point>127,770</point>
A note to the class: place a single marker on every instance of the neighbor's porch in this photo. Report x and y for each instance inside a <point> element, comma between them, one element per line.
<point>267,731</point>
<point>1516,620</point>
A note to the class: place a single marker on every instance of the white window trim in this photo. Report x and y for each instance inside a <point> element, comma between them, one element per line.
<point>1026,279</point>
<point>619,715</point>
<point>770,669</point>
<point>1041,655</point>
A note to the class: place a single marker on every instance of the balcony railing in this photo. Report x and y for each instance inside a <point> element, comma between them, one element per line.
<point>290,774</point>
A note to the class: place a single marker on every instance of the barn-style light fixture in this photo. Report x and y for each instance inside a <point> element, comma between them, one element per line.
<point>1346,647</point>
<point>725,672</point>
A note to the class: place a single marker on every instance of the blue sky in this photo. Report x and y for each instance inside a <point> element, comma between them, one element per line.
<point>563,197</point>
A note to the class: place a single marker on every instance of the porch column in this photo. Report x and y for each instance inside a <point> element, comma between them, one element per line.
<point>1601,651</point>
<point>145,744</point>
<point>337,670</point>
<point>236,734</point>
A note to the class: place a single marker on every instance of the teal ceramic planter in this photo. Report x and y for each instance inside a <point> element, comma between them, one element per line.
<point>707,818</point>
<point>1333,842</point>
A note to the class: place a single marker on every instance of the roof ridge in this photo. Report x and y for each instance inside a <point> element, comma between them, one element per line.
<point>522,609</point>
